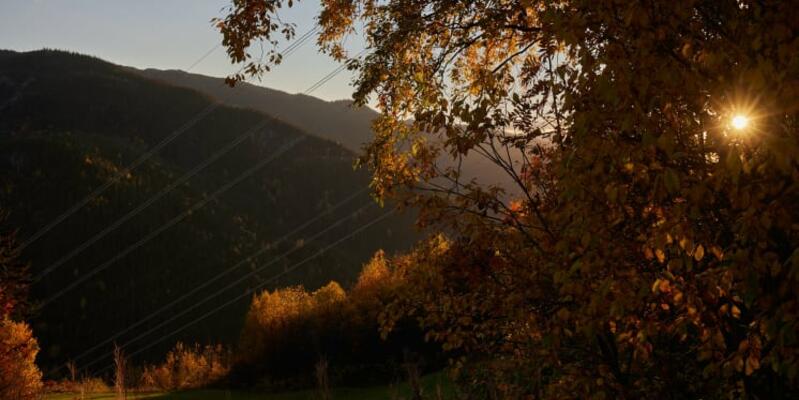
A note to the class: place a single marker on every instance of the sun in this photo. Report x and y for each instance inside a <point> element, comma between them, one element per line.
<point>740,122</point>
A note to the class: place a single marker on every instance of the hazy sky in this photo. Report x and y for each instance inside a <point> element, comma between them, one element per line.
<point>164,34</point>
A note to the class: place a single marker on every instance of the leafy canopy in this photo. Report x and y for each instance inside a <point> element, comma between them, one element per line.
<point>648,248</point>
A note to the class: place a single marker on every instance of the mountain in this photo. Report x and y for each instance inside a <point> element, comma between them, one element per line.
<point>338,120</point>
<point>70,122</point>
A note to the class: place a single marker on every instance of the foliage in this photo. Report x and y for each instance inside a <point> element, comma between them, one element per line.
<point>652,251</point>
<point>19,376</point>
<point>13,278</point>
<point>79,385</point>
<point>338,121</point>
<point>188,367</point>
<point>288,333</point>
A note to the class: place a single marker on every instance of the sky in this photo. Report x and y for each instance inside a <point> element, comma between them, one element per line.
<point>163,34</point>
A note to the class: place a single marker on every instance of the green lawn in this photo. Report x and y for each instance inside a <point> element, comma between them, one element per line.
<point>377,393</point>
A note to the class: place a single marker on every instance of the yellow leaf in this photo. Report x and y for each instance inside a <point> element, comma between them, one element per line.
<point>738,363</point>
<point>752,364</point>
<point>661,285</point>
<point>655,285</point>
<point>699,253</point>
<point>648,253</point>
<point>660,255</point>
<point>629,167</point>
<point>716,250</point>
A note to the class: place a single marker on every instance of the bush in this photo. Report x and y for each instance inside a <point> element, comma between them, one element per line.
<point>188,367</point>
<point>85,385</point>
<point>288,331</point>
<point>19,377</point>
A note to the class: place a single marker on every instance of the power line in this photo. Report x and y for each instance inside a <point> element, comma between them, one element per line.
<point>331,75</point>
<point>171,222</point>
<point>144,157</point>
<point>132,213</point>
<point>251,290</point>
<point>310,89</point>
<point>124,172</point>
<point>203,57</point>
<point>234,283</point>
<point>297,43</point>
<point>223,273</point>
<point>181,217</point>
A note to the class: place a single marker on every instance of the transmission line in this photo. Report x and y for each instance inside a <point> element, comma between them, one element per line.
<point>167,189</point>
<point>171,222</point>
<point>203,57</point>
<point>331,75</point>
<point>144,157</point>
<point>224,273</point>
<point>236,282</point>
<point>147,238</point>
<point>174,221</point>
<point>262,284</point>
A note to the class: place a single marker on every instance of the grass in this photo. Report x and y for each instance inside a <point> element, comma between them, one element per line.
<point>429,383</point>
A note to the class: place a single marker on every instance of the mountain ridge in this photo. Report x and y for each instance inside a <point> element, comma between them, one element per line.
<point>81,120</point>
<point>336,120</point>
<point>340,122</point>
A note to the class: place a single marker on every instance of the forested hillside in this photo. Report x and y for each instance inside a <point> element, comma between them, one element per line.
<point>338,120</point>
<point>69,123</point>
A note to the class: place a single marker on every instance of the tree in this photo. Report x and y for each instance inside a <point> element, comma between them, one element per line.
<point>188,367</point>
<point>648,247</point>
<point>13,278</point>
<point>19,376</point>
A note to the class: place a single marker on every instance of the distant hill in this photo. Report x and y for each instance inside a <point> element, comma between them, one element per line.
<point>338,121</point>
<point>68,122</point>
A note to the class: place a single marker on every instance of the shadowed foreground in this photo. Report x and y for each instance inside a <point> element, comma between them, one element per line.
<point>401,391</point>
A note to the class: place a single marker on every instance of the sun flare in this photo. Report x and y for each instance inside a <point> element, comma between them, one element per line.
<point>740,122</point>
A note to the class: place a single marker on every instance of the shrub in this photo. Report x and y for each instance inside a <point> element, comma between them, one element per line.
<point>84,385</point>
<point>188,367</point>
<point>288,331</point>
<point>19,377</point>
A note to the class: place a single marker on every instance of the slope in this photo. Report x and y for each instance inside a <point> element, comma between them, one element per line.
<point>338,120</point>
<point>68,122</point>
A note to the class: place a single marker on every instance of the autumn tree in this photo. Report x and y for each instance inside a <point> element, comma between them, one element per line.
<point>19,376</point>
<point>279,340</point>
<point>188,367</point>
<point>290,334</point>
<point>647,247</point>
